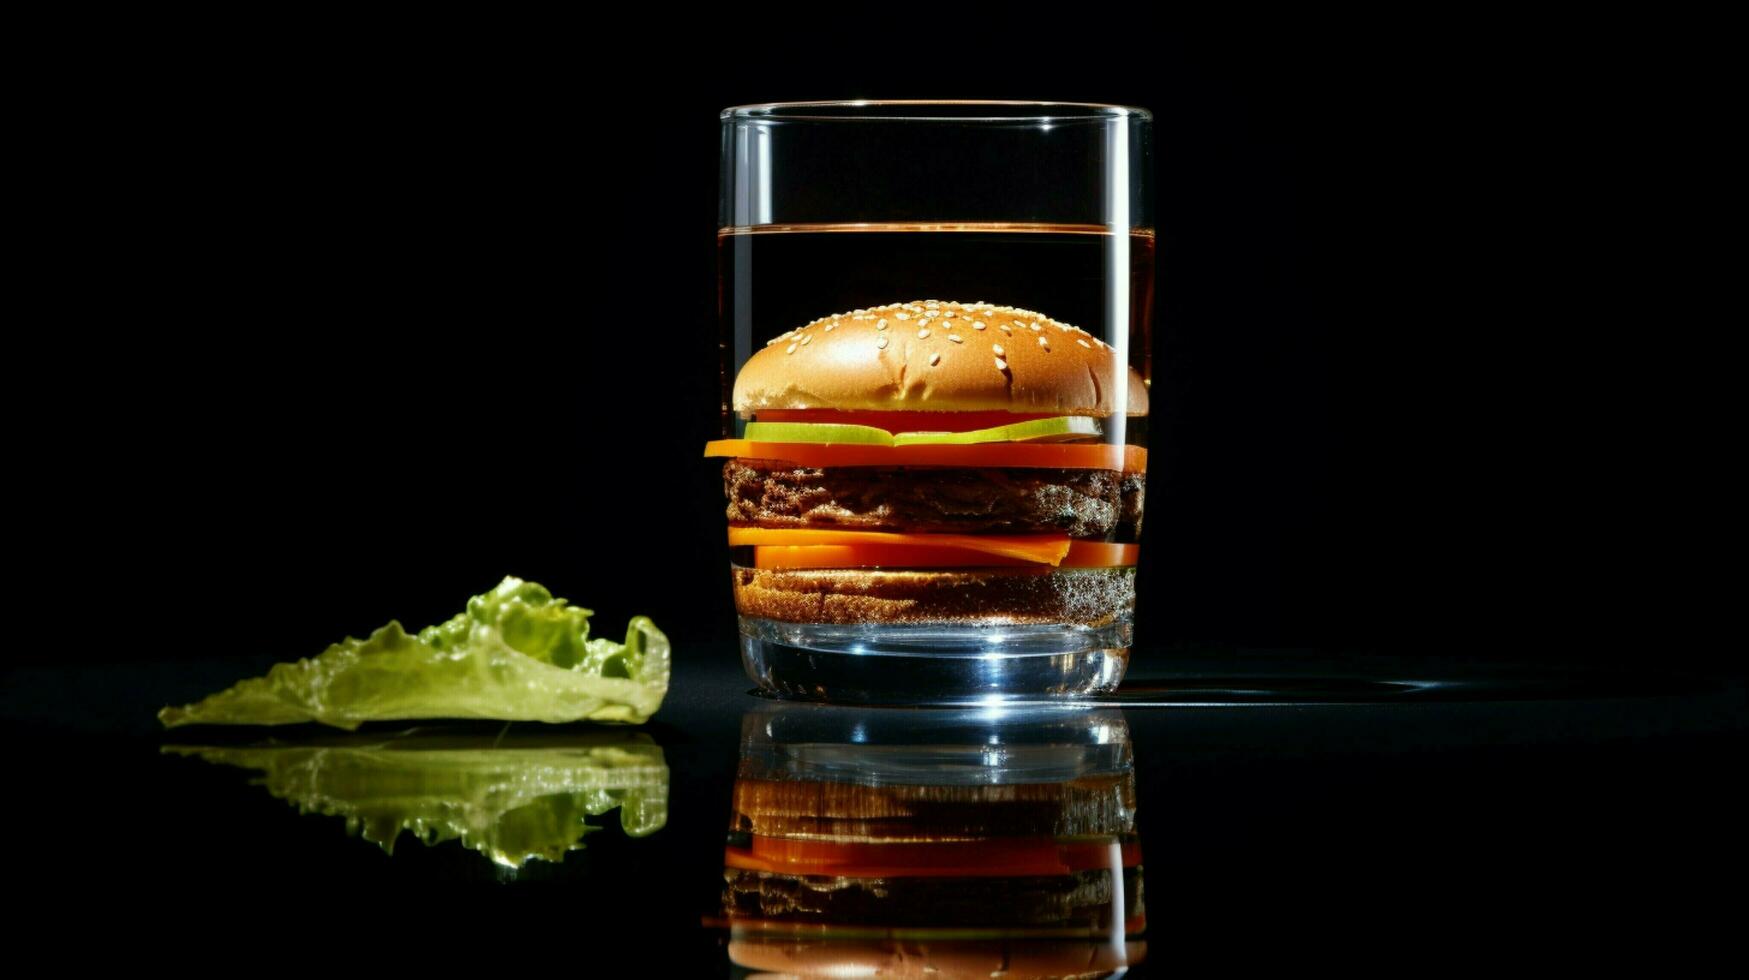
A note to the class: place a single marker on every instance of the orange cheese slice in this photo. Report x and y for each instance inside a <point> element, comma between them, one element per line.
<point>1082,554</point>
<point>1048,549</point>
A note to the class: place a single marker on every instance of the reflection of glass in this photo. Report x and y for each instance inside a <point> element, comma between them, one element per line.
<point>945,842</point>
<point>976,533</point>
<point>512,798</point>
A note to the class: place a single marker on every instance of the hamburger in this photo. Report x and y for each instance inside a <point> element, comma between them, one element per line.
<point>876,848</point>
<point>964,469</point>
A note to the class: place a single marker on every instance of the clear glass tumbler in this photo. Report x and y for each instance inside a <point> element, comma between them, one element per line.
<point>935,322</point>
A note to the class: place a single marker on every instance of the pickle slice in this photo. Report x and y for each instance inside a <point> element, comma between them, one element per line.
<point>821,432</point>
<point>1059,429</point>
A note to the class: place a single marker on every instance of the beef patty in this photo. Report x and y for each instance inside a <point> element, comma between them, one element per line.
<point>1080,503</point>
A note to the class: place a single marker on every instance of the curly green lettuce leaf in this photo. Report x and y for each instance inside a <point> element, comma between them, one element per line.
<point>516,654</point>
<point>513,799</point>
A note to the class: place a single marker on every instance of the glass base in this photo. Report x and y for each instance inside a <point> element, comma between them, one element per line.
<point>933,663</point>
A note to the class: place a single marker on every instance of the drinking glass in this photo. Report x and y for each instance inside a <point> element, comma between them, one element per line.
<point>894,271</point>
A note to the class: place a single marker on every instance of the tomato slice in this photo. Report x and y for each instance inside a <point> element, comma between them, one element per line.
<point>1082,554</point>
<point>989,455</point>
<point>1001,857</point>
<point>904,421</point>
<point>1048,549</point>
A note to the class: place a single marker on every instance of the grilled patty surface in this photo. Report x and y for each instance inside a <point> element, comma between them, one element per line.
<point>1080,503</point>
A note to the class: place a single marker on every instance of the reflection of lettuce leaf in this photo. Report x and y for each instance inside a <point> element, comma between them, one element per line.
<point>517,654</point>
<point>511,799</point>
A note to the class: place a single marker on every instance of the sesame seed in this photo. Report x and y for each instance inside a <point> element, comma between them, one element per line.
<point>1005,330</point>
<point>923,333</point>
<point>949,314</point>
<point>807,337</point>
<point>999,352</point>
<point>881,342</point>
<point>977,326</point>
<point>1035,326</point>
<point>1083,343</point>
<point>934,359</point>
<point>881,324</point>
<point>791,349</point>
<point>956,338</point>
<point>904,316</point>
<point>1017,323</point>
<point>984,313</point>
<point>829,327</point>
<point>1041,343</point>
<point>1001,365</point>
<point>1064,327</point>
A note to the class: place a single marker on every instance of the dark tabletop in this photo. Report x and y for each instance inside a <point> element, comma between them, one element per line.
<point>1356,802</point>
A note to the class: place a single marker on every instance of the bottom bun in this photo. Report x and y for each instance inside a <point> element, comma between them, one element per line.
<point>1085,596</point>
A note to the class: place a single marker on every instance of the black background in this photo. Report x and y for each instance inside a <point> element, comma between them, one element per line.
<point>337,322</point>
<point>397,313</point>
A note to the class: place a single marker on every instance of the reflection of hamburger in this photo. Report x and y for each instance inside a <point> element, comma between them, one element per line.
<point>936,856</point>
<point>936,462</point>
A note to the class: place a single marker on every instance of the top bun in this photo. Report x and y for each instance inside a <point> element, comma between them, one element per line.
<point>939,356</point>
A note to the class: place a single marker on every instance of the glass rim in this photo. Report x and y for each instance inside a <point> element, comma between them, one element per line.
<point>916,110</point>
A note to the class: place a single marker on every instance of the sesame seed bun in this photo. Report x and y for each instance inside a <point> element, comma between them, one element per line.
<point>936,355</point>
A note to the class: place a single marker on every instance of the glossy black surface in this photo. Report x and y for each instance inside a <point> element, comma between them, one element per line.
<point>1590,801</point>
<point>323,283</point>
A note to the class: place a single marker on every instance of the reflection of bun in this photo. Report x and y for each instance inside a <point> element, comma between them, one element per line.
<point>940,356</point>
